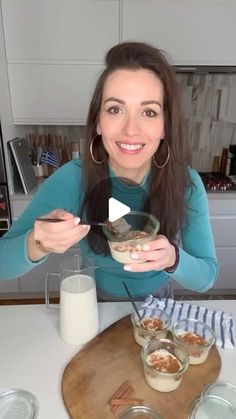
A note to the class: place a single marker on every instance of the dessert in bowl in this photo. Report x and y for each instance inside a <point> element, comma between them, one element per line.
<point>154,327</point>
<point>165,363</point>
<point>196,336</point>
<point>129,233</point>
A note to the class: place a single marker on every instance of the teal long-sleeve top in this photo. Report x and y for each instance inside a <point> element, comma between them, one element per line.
<point>197,268</point>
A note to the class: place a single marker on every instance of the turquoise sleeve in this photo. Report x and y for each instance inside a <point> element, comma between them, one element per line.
<point>59,191</point>
<point>198,268</point>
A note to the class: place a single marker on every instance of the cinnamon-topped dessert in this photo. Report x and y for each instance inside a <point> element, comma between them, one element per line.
<point>128,234</point>
<point>149,328</point>
<point>164,363</point>
<point>196,336</point>
<point>192,339</point>
<point>152,323</point>
<point>133,242</point>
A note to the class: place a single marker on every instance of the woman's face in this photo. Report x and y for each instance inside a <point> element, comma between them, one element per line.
<point>131,119</point>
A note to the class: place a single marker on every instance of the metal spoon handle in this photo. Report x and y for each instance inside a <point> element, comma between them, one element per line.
<point>132,301</point>
<point>57,220</point>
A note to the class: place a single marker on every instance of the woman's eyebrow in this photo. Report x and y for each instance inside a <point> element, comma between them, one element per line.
<point>151,102</point>
<point>114,99</point>
<point>143,103</point>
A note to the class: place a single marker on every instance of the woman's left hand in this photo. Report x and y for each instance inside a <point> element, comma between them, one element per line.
<point>157,254</point>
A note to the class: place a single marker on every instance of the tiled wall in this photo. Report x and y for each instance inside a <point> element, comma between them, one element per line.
<point>209,102</point>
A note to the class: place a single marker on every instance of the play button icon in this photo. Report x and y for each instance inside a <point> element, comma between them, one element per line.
<point>116,209</point>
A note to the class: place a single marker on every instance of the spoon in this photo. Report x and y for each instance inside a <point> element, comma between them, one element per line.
<point>132,302</point>
<point>57,220</point>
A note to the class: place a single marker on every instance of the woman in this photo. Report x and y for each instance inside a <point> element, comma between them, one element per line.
<point>134,137</point>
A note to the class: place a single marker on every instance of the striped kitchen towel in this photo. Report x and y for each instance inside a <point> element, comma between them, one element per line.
<point>221,322</point>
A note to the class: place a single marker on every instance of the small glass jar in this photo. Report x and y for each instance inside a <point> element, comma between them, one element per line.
<point>129,233</point>
<point>144,334</point>
<point>172,359</point>
<point>221,389</point>
<point>212,407</point>
<point>196,336</point>
<point>18,403</point>
<point>139,412</point>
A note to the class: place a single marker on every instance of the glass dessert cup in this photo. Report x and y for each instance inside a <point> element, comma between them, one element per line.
<point>154,327</point>
<point>129,233</point>
<point>139,412</point>
<point>211,407</point>
<point>226,391</point>
<point>196,336</point>
<point>165,363</point>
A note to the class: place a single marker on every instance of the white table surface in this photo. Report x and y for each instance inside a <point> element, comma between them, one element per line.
<point>33,357</point>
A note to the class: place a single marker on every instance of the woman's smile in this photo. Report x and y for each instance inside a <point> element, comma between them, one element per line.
<point>130,148</point>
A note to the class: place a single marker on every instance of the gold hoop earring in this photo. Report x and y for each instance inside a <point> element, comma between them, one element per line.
<point>160,166</point>
<point>91,152</point>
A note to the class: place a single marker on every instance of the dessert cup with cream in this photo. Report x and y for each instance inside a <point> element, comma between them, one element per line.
<point>165,363</point>
<point>196,336</point>
<point>129,233</point>
<point>151,327</point>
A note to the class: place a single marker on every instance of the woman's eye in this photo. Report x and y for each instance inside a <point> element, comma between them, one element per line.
<point>114,110</point>
<point>150,113</point>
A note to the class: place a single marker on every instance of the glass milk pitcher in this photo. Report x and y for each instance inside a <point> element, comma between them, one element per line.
<point>78,299</point>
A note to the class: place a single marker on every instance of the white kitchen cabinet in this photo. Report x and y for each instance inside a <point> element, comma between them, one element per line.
<point>54,52</point>
<point>51,93</point>
<point>55,48</point>
<point>222,209</point>
<point>18,204</point>
<point>59,29</point>
<point>192,32</point>
<point>227,268</point>
<point>223,221</point>
<point>9,287</point>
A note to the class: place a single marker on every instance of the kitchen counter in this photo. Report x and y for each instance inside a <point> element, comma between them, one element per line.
<point>222,195</point>
<point>33,357</point>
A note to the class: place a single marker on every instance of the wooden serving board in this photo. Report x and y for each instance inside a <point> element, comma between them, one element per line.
<point>95,373</point>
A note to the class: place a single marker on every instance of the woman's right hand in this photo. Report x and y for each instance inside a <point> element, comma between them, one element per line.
<point>56,237</point>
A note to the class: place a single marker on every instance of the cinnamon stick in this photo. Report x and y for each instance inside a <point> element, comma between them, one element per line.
<point>119,392</point>
<point>124,394</point>
<point>125,402</point>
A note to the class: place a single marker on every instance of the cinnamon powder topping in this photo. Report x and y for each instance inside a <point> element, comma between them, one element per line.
<point>192,339</point>
<point>164,362</point>
<point>152,323</point>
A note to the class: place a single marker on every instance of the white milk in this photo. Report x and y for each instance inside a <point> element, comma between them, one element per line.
<point>78,309</point>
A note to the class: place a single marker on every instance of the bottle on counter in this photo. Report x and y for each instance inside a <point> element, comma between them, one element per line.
<point>223,160</point>
<point>36,153</point>
<point>216,164</point>
<point>75,150</point>
<point>228,164</point>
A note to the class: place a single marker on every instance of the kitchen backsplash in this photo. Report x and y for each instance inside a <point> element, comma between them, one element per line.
<point>209,102</point>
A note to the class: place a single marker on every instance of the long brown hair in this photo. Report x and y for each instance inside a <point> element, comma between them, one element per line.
<point>168,184</point>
